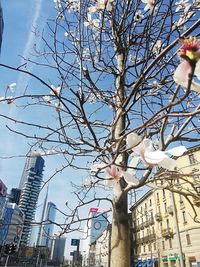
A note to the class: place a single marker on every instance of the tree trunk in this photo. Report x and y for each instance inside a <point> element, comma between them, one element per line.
<point>120,237</point>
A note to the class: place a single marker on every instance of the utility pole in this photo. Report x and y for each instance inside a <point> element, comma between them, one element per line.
<point>7,258</point>
<point>181,260</point>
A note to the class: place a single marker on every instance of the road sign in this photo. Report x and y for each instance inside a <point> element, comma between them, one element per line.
<point>75,242</point>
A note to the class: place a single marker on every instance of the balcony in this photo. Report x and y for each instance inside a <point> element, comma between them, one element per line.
<point>182,205</point>
<point>151,221</point>
<point>170,210</point>
<point>196,202</point>
<point>167,232</point>
<point>158,217</point>
<point>152,237</point>
<point>140,226</point>
<point>146,239</point>
<point>139,241</point>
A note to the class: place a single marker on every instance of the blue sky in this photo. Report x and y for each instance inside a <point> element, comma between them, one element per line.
<point>18,40</point>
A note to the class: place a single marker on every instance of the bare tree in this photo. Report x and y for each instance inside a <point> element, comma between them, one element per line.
<point>117,106</point>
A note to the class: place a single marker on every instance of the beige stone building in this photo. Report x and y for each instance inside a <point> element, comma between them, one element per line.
<point>160,217</point>
<point>100,250</point>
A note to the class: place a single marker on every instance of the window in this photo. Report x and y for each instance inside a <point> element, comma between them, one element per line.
<point>170,243</point>
<point>165,205</point>
<point>154,245</point>
<point>136,250</point>
<point>163,244</point>
<point>148,232</point>
<point>145,205</point>
<point>144,248</point>
<point>157,196</point>
<point>188,239</point>
<point>149,247</point>
<point>167,222</point>
<point>192,159</point>
<point>150,202</point>
<point>163,193</point>
<point>180,198</point>
<point>184,217</point>
<point>159,209</point>
<point>151,214</point>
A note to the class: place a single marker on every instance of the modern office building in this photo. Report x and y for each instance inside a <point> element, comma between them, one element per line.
<point>100,250</point>
<point>12,224</point>
<point>166,225</point>
<point>30,185</point>
<point>47,233</point>
<point>58,250</point>
<point>94,228</point>
<point>14,196</point>
<point>3,193</point>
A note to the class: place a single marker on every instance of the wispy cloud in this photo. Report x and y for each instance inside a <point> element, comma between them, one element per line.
<point>22,80</point>
<point>34,23</point>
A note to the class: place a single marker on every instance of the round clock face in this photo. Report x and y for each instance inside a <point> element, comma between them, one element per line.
<point>97,225</point>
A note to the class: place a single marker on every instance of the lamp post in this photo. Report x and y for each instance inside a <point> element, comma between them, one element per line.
<point>178,236</point>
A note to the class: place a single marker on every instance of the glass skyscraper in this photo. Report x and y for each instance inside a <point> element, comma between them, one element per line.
<point>48,227</point>
<point>11,227</point>
<point>14,196</point>
<point>59,250</point>
<point>30,185</point>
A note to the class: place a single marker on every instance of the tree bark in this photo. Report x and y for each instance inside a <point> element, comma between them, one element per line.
<point>120,237</point>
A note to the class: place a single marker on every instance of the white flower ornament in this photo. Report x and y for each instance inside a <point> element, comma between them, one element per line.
<point>190,52</point>
<point>151,157</point>
<point>113,174</point>
<point>12,87</point>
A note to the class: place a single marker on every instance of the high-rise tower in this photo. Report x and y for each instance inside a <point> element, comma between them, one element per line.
<point>30,185</point>
<point>48,227</point>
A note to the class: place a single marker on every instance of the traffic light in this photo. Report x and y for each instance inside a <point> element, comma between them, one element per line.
<point>13,248</point>
<point>10,248</point>
<point>7,248</point>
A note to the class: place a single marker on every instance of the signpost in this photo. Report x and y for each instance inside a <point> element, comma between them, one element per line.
<point>75,242</point>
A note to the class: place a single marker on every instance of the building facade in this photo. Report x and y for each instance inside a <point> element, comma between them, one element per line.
<point>58,250</point>
<point>11,228</point>
<point>14,196</point>
<point>3,194</point>
<point>30,185</point>
<point>47,233</point>
<point>94,228</point>
<point>166,226</point>
<point>100,250</point>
